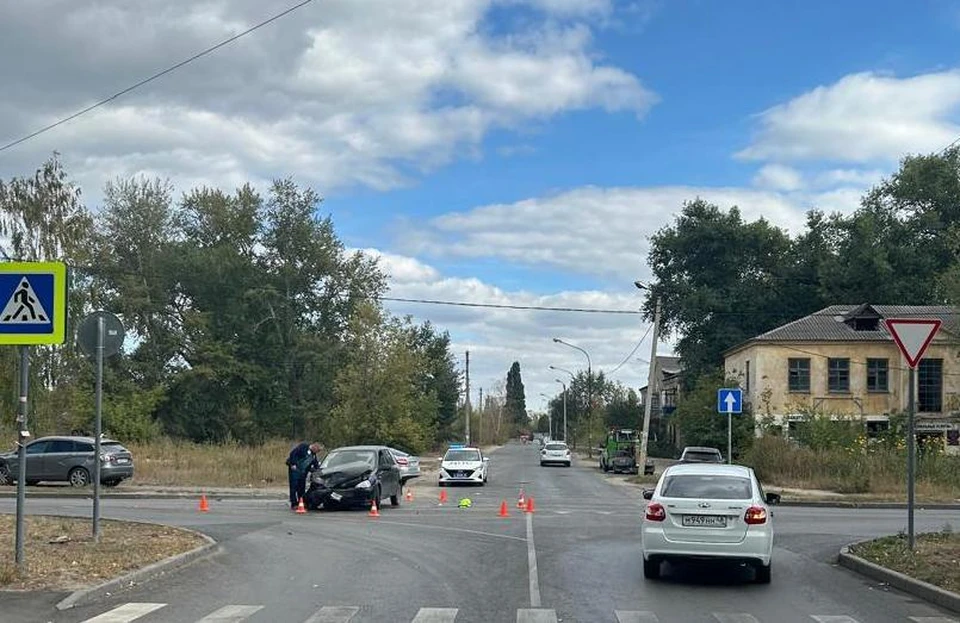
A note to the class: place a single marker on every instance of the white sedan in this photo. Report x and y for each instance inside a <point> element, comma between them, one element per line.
<point>708,512</point>
<point>462,464</point>
<point>555,452</point>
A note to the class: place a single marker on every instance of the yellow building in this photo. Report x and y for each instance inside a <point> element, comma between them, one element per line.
<point>841,361</point>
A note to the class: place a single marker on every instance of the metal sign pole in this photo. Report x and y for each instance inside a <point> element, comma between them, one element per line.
<point>22,455</point>
<point>98,428</point>
<point>911,458</point>
<point>729,437</point>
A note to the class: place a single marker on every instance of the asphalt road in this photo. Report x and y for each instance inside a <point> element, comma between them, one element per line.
<point>576,558</point>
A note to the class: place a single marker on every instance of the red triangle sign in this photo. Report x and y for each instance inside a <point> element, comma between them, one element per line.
<point>912,336</point>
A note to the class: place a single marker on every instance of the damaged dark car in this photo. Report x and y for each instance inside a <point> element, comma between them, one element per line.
<point>354,476</point>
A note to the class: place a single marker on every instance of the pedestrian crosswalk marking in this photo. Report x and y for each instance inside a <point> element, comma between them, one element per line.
<point>236,613</point>
<point>334,614</point>
<point>635,616</point>
<point>230,614</point>
<point>125,613</point>
<point>735,617</point>
<point>436,615</point>
<point>536,615</point>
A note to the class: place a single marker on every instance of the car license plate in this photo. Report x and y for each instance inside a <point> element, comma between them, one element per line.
<point>336,497</point>
<point>705,521</point>
<point>123,460</point>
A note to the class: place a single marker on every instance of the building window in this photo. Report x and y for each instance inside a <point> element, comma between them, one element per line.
<point>838,375</point>
<point>798,375</point>
<point>877,375</point>
<point>930,386</point>
<point>747,381</point>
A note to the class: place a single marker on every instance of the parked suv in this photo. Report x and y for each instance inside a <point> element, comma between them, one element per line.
<point>700,454</point>
<point>68,459</point>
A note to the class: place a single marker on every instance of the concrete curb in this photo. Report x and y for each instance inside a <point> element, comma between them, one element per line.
<point>868,505</point>
<point>147,495</point>
<point>918,588</point>
<point>91,594</point>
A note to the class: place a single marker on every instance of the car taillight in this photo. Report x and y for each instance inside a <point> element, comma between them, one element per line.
<point>655,512</point>
<point>402,461</point>
<point>755,515</point>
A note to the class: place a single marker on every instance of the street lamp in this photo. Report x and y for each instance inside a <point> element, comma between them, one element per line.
<point>651,377</point>
<point>564,409</point>
<point>589,394</point>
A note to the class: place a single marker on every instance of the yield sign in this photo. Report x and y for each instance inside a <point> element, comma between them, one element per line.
<point>912,336</point>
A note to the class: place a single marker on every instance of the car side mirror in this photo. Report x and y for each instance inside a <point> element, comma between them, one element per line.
<point>773,498</point>
<point>440,459</point>
<point>648,494</point>
<point>486,459</point>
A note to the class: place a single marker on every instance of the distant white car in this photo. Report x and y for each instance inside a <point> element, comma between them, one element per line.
<point>409,464</point>
<point>463,464</point>
<point>708,512</point>
<point>555,452</point>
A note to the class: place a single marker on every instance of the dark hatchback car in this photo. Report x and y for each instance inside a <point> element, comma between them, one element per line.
<point>68,459</point>
<point>354,476</point>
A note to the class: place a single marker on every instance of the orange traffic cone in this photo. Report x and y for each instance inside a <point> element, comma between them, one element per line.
<point>521,501</point>
<point>409,496</point>
<point>530,507</point>
<point>443,496</point>
<point>300,508</point>
<point>204,507</point>
<point>374,511</point>
<point>503,509</point>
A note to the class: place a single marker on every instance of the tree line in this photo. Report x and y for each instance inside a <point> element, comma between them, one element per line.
<point>246,319</point>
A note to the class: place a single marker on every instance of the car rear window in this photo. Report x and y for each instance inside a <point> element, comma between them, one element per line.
<point>112,446</point>
<point>701,456</point>
<point>556,446</point>
<point>707,487</point>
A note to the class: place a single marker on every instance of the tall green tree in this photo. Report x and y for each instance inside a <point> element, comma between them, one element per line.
<point>516,402</point>
<point>699,424</point>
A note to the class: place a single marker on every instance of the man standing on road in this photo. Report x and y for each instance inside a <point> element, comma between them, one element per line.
<point>301,461</point>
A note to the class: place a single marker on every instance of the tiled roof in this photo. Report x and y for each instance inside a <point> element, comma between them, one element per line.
<point>835,324</point>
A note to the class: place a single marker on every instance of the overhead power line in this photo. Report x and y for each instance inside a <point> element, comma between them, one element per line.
<point>506,306</point>
<point>159,74</point>
<point>632,352</point>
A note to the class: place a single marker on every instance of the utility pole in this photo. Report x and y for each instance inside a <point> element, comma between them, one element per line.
<point>466,407</point>
<point>651,381</point>
<point>480,419</point>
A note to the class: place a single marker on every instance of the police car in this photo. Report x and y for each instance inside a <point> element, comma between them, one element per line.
<point>463,464</point>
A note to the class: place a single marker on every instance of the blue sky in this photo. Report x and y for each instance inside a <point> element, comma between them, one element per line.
<point>499,151</point>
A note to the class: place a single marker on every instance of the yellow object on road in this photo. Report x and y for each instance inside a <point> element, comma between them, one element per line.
<point>465,503</point>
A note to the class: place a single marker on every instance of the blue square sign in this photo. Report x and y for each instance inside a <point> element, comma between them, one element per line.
<point>730,400</point>
<point>33,302</point>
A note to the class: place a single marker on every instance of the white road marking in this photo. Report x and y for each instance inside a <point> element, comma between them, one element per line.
<point>735,617</point>
<point>635,616</point>
<point>842,618</point>
<point>532,566</point>
<point>435,615</point>
<point>333,614</point>
<point>932,620</point>
<point>125,613</point>
<point>230,614</point>
<point>531,615</point>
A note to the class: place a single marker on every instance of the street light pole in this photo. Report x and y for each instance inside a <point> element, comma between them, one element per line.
<point>651,380</point>
<point>589,394</point>
<point>564,409</point>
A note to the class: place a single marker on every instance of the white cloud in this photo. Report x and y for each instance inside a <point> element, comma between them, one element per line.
<point>600,232</point>
<point>351,94</point>
<point>778,177</point>
<point>862,117</point>
<point>498,337</point>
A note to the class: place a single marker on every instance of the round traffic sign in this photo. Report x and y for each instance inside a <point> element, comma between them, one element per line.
<point>113,334</point>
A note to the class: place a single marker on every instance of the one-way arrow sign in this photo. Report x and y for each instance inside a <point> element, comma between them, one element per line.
<point>729,400</point>
<point>913,336</point>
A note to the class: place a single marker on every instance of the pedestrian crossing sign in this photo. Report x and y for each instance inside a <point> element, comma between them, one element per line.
<point>33,296</point>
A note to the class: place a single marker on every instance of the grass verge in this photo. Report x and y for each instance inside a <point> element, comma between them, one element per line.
<point>61,554</point>
<point>935,560</point>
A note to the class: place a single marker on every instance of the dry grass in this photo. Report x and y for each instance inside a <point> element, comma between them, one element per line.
<point>879,473</point>
<point>78,561</point>
<point>935,560</point>
<point>182,463</point>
